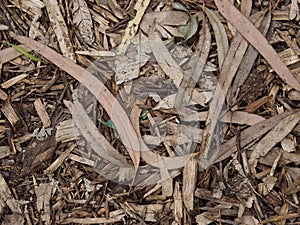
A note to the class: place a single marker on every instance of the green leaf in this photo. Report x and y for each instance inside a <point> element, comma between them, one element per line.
<point>144,115</point>
<point>190,29</point>
<point>179,6</point>
<point>24,52</point>
<point>109,123</point>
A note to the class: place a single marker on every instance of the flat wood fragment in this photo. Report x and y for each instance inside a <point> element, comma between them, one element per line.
<point>9,112</point>
<point>14,80</point>
<point>7,198</point>
<point>42,112</point>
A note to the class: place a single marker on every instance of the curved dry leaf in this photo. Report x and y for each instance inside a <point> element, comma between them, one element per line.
<point>165,60</point>
<point>220,35</point>
<point>280,131</point>
<point>195,66</point>
<point>164,18</point>
<point>83,20</point>
<point>230,66</point>
<point>60,29</point>
<point>191,27</point>
<point>248,136</point>
<point>97,88</point>
<point>248,30</point>
<point>92,135</point>
<point>110,104</point>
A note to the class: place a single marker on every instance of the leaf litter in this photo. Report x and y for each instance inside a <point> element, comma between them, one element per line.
<point>199,120</point>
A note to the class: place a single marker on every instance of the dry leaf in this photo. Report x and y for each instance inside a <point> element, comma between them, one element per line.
<point>249,135</point>
<point>164,18</point>
<point>220,35</point>
<point>127,66</point>
<point>282,129</point>
<point>90,132</point>
<point>247,63</point>
<point>194,69</point>
<point>165,60</point>
<point>247,29</point>
<point>231,63</point>
<point>103,95</point>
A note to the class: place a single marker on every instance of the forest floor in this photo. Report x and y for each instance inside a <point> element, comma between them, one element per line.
<point>149,112</point>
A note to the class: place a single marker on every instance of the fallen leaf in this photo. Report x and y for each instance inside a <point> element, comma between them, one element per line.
<point>97,88</point>
<point>220,35</point>
<point>251,34</point>
<point>280,131</point>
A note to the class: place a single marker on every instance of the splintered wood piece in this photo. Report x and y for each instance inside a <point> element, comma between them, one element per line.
<point>90,221</point>
<point>3,95</point>
<point>60,29</point>
<point>4,151</point>
<point>8,198</point>
<point>43,195</point>
<point>257,104</point>
<point>178,207</point>
<point>133,25</point>
<point>10,113</point>
<point>37,152</point>
<point>14,80</point>
<point>41,111</point>
<point>208,195</point>
<point>57,163</point>
<point>189,182</point>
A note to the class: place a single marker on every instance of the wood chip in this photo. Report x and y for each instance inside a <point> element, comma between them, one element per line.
<point>42,112</point>
<point>60,28</point>
<point>10,113</point>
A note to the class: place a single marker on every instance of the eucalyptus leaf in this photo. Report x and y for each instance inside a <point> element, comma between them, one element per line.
<point>190,29</point>
<point>179,6</point>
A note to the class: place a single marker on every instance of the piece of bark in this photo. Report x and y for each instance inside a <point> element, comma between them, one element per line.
<point>38,152</point>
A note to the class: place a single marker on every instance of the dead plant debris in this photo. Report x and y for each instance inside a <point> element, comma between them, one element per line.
<point>149,112</point>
